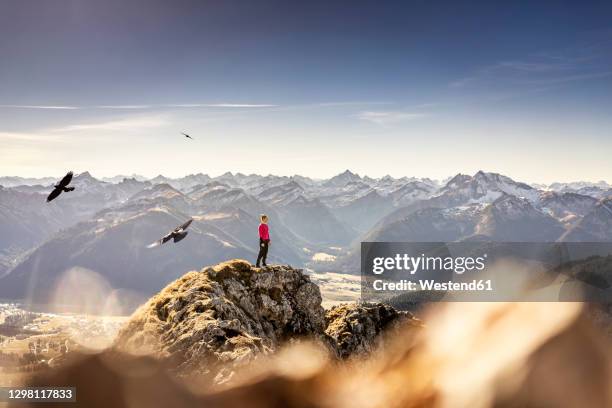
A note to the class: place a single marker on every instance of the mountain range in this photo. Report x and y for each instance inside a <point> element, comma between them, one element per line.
<point>106,224</point>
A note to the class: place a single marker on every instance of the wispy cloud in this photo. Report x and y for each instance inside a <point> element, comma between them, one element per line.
<point>59,107</point>
<point>533,66</point>
<point>539,72</point>
<point>148,106</point>
<point>124,106</point>
<point>135,123</point>
<point>221,105</point>
<point>384,118</point>
<point>569,78</point>
<point>16,137</point>
<point>327,105</point>
<point>462,82</point>
<point>350,103</point>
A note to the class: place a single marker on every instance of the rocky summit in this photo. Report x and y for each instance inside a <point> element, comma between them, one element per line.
<point>212,321</point>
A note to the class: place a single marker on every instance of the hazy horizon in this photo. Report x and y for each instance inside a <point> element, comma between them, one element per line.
<point>362,175</point>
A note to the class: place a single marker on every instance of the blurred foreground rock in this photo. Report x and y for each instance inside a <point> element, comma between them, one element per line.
<point>224,323</point>
<point>469,355</point>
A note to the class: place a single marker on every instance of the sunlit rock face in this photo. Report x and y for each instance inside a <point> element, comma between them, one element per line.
<point>231,313</point>
<point>356,328</point>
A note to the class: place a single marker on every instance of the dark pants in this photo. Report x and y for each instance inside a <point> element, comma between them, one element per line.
<point>263,250</point>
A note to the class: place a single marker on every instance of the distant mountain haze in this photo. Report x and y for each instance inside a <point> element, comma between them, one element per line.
<point>105,225</point>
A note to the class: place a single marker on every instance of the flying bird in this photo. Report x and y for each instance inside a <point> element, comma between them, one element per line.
<point>176,234</point>
<point>186,135</point>
<point>60,187</point>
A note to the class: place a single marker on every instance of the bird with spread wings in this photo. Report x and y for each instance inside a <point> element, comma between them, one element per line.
<point>176,234</point>
<point>60,187</point>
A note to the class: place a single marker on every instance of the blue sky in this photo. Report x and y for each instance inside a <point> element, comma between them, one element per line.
<point>411,88</point>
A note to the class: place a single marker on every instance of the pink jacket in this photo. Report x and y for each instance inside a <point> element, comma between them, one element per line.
<point>263,232</point>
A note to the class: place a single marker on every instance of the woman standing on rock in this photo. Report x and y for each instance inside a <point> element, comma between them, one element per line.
<point>264,240</point>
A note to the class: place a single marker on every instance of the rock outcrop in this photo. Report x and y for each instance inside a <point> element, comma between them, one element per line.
<point>356,328</point>
<point>212,321</point>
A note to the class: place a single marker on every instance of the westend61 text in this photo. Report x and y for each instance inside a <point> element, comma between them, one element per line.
<point>406,285</point>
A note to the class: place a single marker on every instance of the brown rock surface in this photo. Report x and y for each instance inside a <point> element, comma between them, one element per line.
<point>356,328</point>
<point>226,314</point>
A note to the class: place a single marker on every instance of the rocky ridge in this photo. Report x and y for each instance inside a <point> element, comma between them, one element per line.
<point>224,316</point>
<point>357,329</point>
